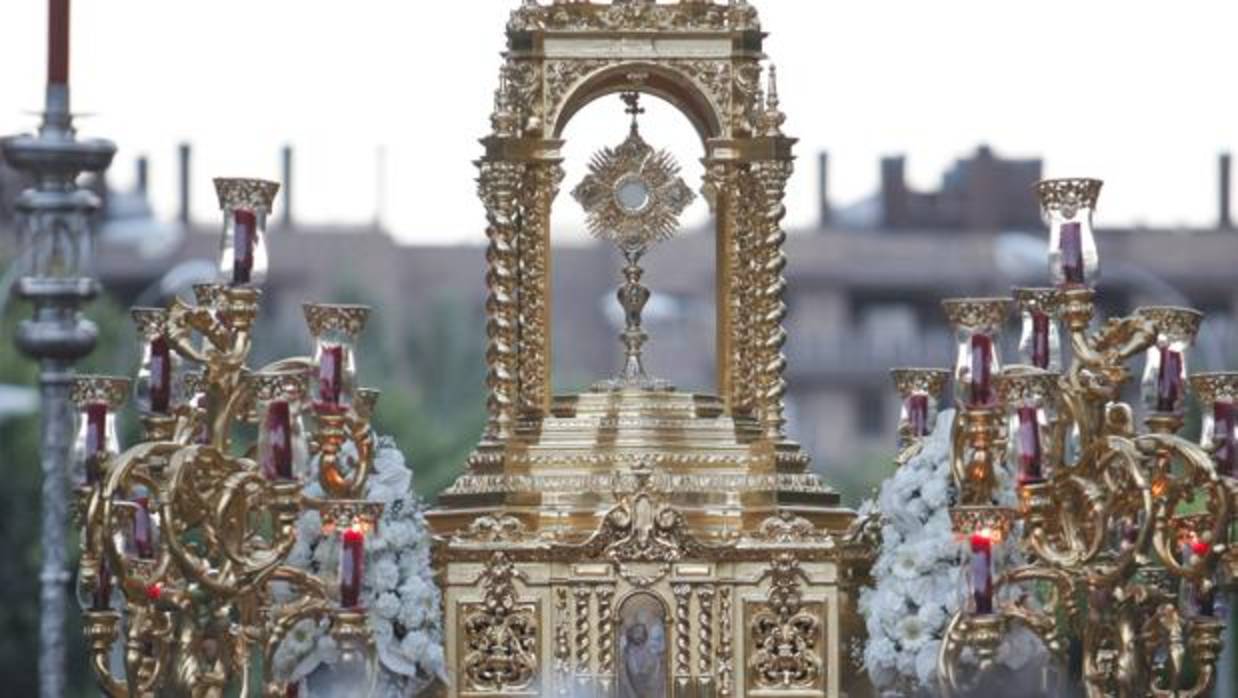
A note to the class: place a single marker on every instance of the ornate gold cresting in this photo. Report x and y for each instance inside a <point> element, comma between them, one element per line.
<point>1134,522</point>
<point>191,529</point>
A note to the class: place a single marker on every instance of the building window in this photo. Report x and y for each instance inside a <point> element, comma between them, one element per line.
<point>871,413</point>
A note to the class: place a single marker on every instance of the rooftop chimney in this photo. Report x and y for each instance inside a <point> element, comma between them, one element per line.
<point>823,188</point>
<point>894,203</point>
<point>1225,221</point>
<point>185,153</point>
<point>286,213</point>
<point>142,175</point>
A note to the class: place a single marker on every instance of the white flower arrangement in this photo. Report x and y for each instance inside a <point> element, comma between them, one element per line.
<point>404,604</point>
<point>919,573</point>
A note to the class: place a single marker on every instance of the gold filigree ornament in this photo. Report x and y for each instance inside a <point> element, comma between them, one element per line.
<point>500,634</point>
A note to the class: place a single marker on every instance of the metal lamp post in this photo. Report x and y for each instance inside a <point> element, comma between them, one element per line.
<point>56,280</point>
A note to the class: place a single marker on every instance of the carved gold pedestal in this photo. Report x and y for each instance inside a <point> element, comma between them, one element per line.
<point>642,543</point>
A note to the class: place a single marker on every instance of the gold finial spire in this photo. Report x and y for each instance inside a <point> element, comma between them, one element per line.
<point>772,118</point>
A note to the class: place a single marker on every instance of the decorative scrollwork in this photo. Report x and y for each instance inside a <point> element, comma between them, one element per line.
<point>500,634</point>
<point>786,636</point>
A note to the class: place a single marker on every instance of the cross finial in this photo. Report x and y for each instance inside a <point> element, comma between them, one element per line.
<point>632,99</point>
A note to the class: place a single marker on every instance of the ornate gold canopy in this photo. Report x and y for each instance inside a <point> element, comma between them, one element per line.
<point>583,514</point>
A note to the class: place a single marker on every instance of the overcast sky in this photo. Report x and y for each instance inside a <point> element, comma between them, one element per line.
<point>1137,93</point>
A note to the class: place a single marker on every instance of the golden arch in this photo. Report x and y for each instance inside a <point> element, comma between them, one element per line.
<point>669,83</point>
<point>704,58</point>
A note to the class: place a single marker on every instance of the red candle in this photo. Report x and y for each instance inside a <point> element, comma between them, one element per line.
<point>331,374</point>
<point>143,529</point>
<point>96,440</point>
<point>981,385</point>
<point>1225,438</point>
<point>58,42</point>
<point>1169,380</point>
<point>917,414</point>
<point>1040,339</point>
<point>101,599</point>
<point>292,690</point>
<point>276,455</point>
<point>154,591</point>
<point>1071,247</point>
<point>244,239</point>
<point>160,375</point>
<point>982,572</point>
<point>1029,445</point>
<point>352,567</point>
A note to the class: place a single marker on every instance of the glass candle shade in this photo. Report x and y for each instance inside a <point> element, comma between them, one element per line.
<point>335,329</point>
<point>920,389</point>
<point>1067,206</point>
<point>980,572</point>
<point>1040,342</point>
<point>96,400</point>
<point>1218,397</point>
<point>1030,397</point>
<point>156,384</point>
<point>243,250</point>
<point>1164,376</point>
<point>977,325</point>
<point>283,448</point>
<point>352,566</point>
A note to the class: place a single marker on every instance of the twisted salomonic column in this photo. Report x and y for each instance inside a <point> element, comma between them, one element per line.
<point>56,280</point>
<point>497,186</point>
<point>540,185</point>
<point>730,196</point>
<point>771,180</point>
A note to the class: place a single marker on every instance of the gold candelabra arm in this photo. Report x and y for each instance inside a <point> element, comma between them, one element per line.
<point>334,430</point>
<point>1200,476</point>
<point>231,529</point>
<point>101,629</point>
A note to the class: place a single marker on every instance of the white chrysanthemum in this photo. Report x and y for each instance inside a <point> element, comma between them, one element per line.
<point>414,644</point>
<point>387,606</point>
<point>309,524</point>
<point>906,563</point>
<point>926,662</point>
<point>386,573</point>
<point>912,632</point>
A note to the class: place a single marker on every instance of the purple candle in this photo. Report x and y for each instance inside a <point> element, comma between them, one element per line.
<point>352,568</point>
<point>244,239</point>
<point>982,572</point>
<point>1225,437</point>
<point>276,455</point>
<point>917,414</point>
<point>96,440</point>
<point>981,382</point>
<point>331,375</point>
<point>1040,339</point>
<point>143,529</point>
<point>1169,380</point>
<point>1030,455</point>
<point>160,375</point>
<point>1071,247</point>
<point>58,42</point>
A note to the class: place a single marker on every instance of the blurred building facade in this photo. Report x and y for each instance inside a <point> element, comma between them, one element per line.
<point>865,285</point>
